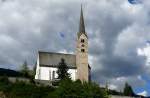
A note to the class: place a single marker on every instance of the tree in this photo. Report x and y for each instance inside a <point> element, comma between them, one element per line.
<point>25,69</point>
<point>128,90</point>
<point>63,70</point>
<point>34,69</point>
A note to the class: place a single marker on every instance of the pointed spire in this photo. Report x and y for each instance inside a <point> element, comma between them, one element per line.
<point>81,25</point>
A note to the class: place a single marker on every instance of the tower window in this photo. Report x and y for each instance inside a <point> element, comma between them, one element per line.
<point>82,50</point>
<point>82,40</point>
<point>49,75</point>
<point>82,45</point>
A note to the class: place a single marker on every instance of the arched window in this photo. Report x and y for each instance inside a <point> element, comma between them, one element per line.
<point>82,40</point>
<point>82,50</point>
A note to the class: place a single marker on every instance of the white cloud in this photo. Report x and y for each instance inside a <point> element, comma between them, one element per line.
<point>112,87</point>
<point>143,93</point>
<point>119,82</point>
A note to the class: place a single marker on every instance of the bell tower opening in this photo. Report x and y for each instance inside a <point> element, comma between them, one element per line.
<point>82,40</point>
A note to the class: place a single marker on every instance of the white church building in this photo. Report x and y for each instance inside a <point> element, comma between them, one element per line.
<point>79,68</point>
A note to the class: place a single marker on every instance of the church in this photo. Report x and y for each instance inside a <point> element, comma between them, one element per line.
<point>79,68</point>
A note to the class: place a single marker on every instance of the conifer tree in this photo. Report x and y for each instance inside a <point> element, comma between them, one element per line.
<point>128,90</point>
<point>63,70</point>
<point>25,69</point>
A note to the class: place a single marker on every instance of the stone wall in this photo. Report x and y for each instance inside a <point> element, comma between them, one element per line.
<point>14,79</point>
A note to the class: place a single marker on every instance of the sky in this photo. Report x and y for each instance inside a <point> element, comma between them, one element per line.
<point>116,30</point>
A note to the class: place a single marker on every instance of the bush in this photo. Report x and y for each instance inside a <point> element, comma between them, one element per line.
<point>4,84</point>
<point>66,89</point>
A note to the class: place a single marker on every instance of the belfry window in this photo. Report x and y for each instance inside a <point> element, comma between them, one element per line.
<point>82,45</point>
<point>82,40</point>
<point>82,50</point>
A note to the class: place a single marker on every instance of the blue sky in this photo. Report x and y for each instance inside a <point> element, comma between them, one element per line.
<point>135,1</point>
<point>145,76</point>
<point>115,28</point>
<point>144,88</point>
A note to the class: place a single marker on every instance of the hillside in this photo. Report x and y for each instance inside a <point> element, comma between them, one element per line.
<point>9,72</point>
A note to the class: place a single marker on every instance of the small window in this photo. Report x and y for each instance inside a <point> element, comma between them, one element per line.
<point>82,45</point>
<point>82,50</point>
<point>49,75</point>
<point>82,40</point>
<point>53,75</point>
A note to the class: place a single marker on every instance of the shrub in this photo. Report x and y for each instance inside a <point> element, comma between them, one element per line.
<point>66,89</point>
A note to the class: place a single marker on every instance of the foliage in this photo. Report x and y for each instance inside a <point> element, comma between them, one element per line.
<point>23,90</point>
<point>24,69</point>
<point>128,90</point>
<point>4,83</point>
<point>63,70</point>
<point>66,89</point>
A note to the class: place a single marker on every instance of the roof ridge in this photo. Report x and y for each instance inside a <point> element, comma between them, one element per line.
<point>54,53</point>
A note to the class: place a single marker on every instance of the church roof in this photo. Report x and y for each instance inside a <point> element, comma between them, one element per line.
<point>81,25</point>
<point>51,59</point>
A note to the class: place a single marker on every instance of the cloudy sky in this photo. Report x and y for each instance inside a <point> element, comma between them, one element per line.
<point>116,29</point>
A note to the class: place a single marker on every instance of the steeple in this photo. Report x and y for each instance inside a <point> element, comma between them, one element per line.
<point>81,24</point>
<point>83,69</point>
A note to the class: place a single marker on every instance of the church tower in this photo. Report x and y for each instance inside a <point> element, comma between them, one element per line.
<point>82,51</point>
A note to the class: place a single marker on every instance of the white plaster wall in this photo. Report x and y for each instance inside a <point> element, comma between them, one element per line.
<point>37,68</point>
<point>46,73</point>
<point>72,73</point>
<point>113,96</point>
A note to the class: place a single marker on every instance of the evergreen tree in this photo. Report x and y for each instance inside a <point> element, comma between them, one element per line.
<point>63,70</point>
<point>128,90</point>
<point>25,69</point>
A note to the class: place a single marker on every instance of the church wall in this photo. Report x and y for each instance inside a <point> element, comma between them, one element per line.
<point>55,58</point>
<point>46,73</point>
<point>37,68</point>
